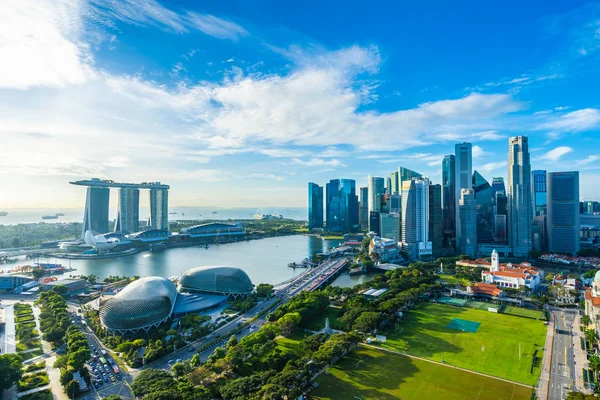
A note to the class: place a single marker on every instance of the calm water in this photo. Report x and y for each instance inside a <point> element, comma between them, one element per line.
<point>265,260</point>
<point>32,215</point>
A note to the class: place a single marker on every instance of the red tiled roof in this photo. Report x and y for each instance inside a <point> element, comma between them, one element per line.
<point>486,288</point>
<point>507,274</point>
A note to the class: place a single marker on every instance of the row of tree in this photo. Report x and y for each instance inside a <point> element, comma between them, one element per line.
<point>78,353</point>
<point>54,320</point>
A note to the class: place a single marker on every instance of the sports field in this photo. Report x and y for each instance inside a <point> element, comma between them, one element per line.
<point>523,312</point>
<point>502,346</point>
<point>375,374</point>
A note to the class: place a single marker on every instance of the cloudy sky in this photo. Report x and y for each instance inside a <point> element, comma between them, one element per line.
<point>241,103</point>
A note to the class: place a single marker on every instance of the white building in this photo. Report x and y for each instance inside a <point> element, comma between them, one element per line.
<point>415,217</point>
<point>512,276</point>
<point>386,249</point>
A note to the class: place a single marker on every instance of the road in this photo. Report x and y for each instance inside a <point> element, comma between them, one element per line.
<point>562,375</point>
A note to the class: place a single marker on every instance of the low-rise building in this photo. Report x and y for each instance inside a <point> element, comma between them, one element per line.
<point>386,249</point>
<point>73,285</point>
<point>512,276</point>
<point>592,303</point>
<point>486,289</point>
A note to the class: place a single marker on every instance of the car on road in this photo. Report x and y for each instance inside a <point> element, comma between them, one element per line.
<point>170,361</point>
<point>192,349</point>
<point>112,379</point>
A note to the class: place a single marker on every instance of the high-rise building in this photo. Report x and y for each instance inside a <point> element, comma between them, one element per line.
<point>395,203</point>
<point>388,185</point>
<point>342,205</point>
<point>500,217</point>
<point>563,212</point>
<point>376,190</point>
<point>363,210</point>
<point>590,207</point>
<point>374,221</point>
<point>95,215</point>
<point>315,206</point>
<point>415,217</point>
<point>498,185</point>
<point>463,178</point>
<point>400,176</point>
<point>449,202</point>
<point>520,204</point>
<point>484,204</point>
<point>467,229</point>
<point>128,211</point>
<point>435,219</point>
<point>389,226</point>
<point>539,192</point>
<point>159,209</point>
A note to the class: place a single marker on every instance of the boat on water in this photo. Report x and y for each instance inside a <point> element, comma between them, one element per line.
<point>59,214</point>
<point>173,213</point>
<point>50,217</point>
<point>3,213</point>
<point>214,212</point>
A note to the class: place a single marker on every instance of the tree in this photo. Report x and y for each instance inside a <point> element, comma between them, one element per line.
<point>78,358</point>
<point>288,322</point>
<point>72,389</point>
<point>195,361</point>
<point>264,290</point>
<point>113,397</point>
<point>368,321</point>
<point>590,336</point>
<point>61,289</point>
<point>11,366</point>
<point>594,363</point>
<point>180,369</point>
<point>38,273</point>
<point>152,380</point>
<point>232,341</point>
<point>586,320</point>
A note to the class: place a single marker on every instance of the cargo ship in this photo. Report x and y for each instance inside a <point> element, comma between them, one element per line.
<point>50,217</point>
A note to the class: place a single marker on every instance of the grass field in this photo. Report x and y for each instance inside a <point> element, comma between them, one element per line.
<point>449,279</point>
<point>292,344</point>
<point>523,312</point>
<point>493,349</point>
<point>375,374</point>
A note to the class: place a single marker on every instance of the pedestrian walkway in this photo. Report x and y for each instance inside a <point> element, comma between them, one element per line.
<point>37,389</point>
<point>580,355</point>
<point>544,382</point>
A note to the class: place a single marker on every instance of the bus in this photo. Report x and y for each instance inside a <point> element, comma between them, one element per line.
<point>103,360</point>
<point>103,352</point>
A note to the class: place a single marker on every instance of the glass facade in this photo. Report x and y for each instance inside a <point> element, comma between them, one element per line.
<point>435,219</point>
<point>315,206</point>
<point>539,192</point>
<point>159,209</point>
<point>484,206</point>
<point>128,214</point>
<point>448,202</point>
<point>563,219</point>
<point>95,216</point>
<point>342,205</point>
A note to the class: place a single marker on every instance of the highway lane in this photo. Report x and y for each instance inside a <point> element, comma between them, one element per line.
<point>562,375</point>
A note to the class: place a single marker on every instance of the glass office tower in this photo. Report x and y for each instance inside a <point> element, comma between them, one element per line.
<point>520,203</point>
<point>159,208</point>
<point>484,207</point>
<point>563,212</point>
<point>448,202</point>
<point>315,206</point>
<point>128,211</point>
<point>95,215</point>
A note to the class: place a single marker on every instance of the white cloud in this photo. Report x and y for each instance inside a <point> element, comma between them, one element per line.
<point>492,166</point>
<point>216,27</point>
<point>271,177</point>
<point>333,152</point>
<point>555,154</point>
<point>477,152</point>
<point>574,121</point>
<point>588,160</point>
<point>315,162</point>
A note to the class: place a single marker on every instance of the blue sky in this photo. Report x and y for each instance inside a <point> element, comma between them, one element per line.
<point>241,103</point>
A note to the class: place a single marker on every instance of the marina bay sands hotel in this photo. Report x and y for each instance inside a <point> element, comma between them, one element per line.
<point>95,217</point>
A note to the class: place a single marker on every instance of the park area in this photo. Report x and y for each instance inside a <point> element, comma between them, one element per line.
<point>369,373</point>
<point>500,345</point>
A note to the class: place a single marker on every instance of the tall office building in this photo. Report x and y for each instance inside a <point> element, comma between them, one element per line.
<point>563,212</point>
<point>463,173</point>
<point>342,205</point>
<point>590,207</point>
<point>484,204</point>
<point>363,209</point>
<point>159,209</point>
<point>435,219</point>
<point>449,202</point>
<point>400,176</point>
<point>467,229</point>
<point>388,185</point>
<point>415,217</point>
<point>374,222</point>
<point>395,203</point>
<point>500,217</point>
<point>498,185</point>
<point>315,206</point>
<point>95,215</point>
<point>389,226</point>
<point>376,190</point>
<point>128,211</point>
<point>539,192</point>
<point>520,204</point>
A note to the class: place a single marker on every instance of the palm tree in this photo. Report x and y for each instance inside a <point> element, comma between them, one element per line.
<point>586,320</point>
<point>590,336</point>
<point>594,364</point>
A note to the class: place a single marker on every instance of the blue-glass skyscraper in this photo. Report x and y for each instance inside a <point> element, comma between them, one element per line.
<point>448,202</point>
<point>563,212</point>
<point>315,206</point>
<point>539,192</point>
<point>341,205</point>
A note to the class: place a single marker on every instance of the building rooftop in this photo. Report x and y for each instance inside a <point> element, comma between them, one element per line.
<point>105,183</point>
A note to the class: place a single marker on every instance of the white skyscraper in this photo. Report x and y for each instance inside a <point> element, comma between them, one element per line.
<point>520,204</point>
<point>415,217</point>
<point>463,179</point>
<point>467,228</point>
<point>376,190</point>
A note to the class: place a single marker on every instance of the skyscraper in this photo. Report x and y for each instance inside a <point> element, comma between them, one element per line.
<point>435,219</point>
<point>342,205</point>
<point>449,202</point>
<point>500,217</point>
<point>463,172</point>
<point>484,204</point>
<point>376,190</point>
<point>389,226</point>
<point>400,176</point>
<point>363,211</point>
<point>539,192</point>
<point>467,229</point>
<point>563,212</point>
<point>415,217</point>
<point>315,206</point>
<point>374,222</point>
<point>95,215</point>
<point>520,204</point>
<point>128,211</point>
<point>159,209</point>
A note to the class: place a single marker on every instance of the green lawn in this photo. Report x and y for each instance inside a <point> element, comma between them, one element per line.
<point>493,349</point>
<point>375,374</point>
<point>524,312</point>
<point>449,279</point>
<point>292,344</point>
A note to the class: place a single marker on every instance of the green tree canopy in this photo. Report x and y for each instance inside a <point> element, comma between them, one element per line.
<point>11,366</point>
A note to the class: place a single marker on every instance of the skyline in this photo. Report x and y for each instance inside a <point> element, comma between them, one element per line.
<point>235,105</point>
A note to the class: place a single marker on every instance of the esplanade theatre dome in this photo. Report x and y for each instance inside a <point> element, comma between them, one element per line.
<point>142,304</point>
<point>216,280</point>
